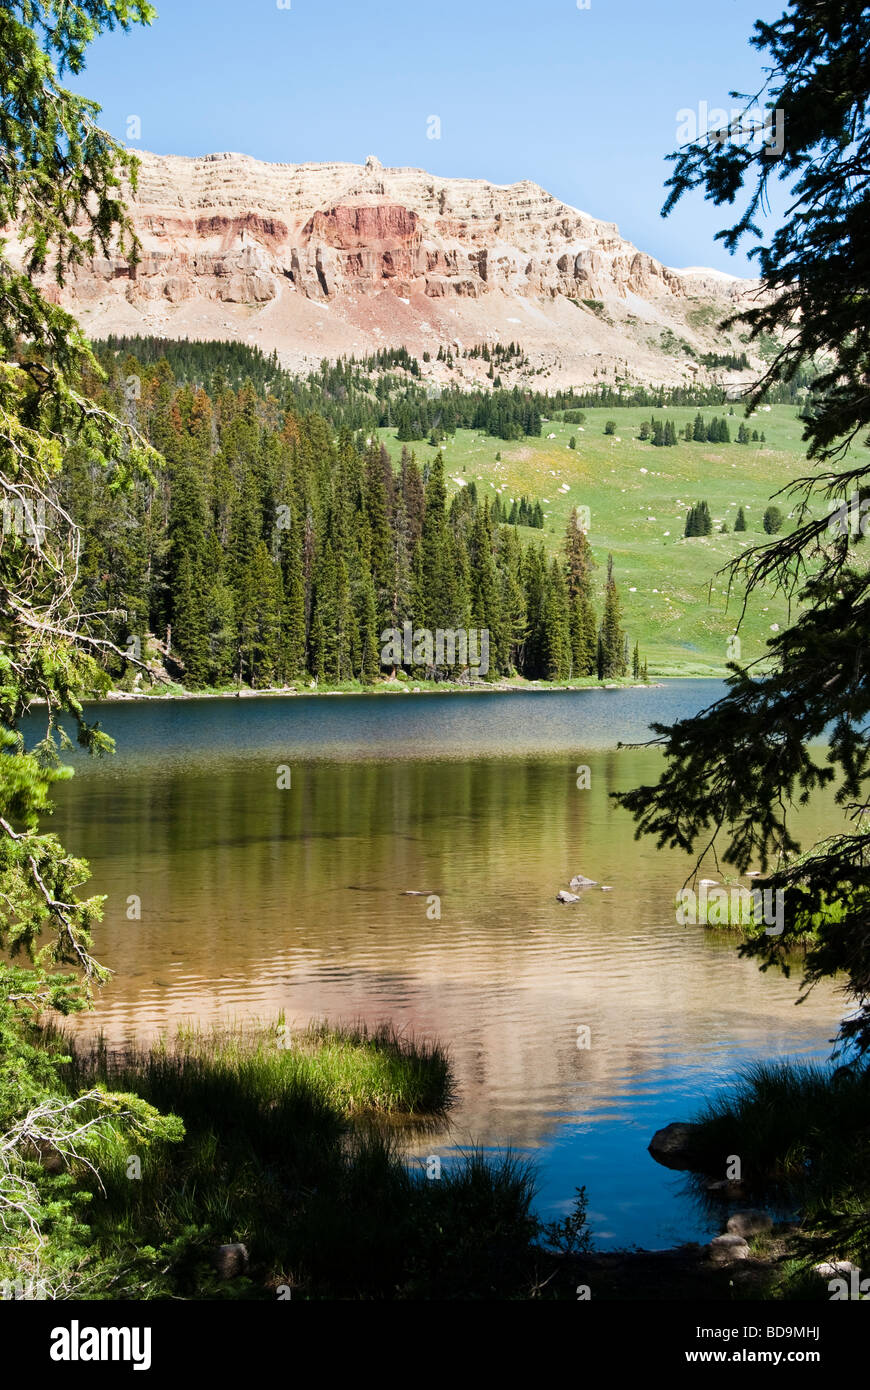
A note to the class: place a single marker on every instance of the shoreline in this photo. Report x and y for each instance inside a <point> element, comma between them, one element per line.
<point>289,692</point>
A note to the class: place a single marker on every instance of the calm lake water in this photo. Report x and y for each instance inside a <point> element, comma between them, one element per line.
<point>255,900</point>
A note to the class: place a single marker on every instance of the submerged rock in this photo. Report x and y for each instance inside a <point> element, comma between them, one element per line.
<point>673,1145</point>
<point>724,1187</point>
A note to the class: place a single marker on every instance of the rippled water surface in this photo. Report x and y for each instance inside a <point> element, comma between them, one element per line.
<point>255,899</point>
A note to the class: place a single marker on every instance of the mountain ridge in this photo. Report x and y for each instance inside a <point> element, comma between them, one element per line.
<point>326,260</point>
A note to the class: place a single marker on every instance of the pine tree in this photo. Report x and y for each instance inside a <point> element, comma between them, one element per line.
<point>381,548</point>
<point>265,650</point>
<point>439,589</point>
<point>294,606</point>
<point>367,623</point>
<point>579,563</point>
<point>582,625</point>
<point>189,638</point>
<point>222,634</point>
<point>612,639</point>
<point>534,648</point>
<point>698,520</point>
<point>557,634</point>
<point>406,553</point>
<point>484,586</point>
<point>241,567</point>
<point>60,184</point>
<point>512,601</point>
<point>187,576</point>
<point>328,641</point>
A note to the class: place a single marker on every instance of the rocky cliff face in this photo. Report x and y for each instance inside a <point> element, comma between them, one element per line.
<point>322,260</point>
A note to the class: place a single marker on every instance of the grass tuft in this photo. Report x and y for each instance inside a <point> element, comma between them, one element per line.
<point>285,1141</point>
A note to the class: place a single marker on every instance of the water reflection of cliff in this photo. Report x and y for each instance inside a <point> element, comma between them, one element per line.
<point>255,899</point>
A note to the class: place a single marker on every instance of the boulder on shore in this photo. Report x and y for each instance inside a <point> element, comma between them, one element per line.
<point>835,1269</point>
<point>673,1145</point>
<point>749,1223</point>
<point>725,1249</point>
<point>230,1260</point>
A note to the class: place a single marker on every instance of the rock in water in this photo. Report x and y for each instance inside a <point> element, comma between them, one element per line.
<point>563,897</point>
<point>725,1187</point>
<point>672,1146</point>
<point>578,881</point>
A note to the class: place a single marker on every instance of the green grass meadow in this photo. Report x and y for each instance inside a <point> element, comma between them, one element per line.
<point>675,600</point>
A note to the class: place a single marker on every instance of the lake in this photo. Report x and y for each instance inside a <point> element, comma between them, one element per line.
<point>257,898</point>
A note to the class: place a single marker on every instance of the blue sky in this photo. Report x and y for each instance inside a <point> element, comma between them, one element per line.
<point>582,101</point>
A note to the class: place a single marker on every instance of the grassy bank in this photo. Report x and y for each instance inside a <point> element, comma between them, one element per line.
<point>346,1072</point>
<point>802,1135</point>
<point>288,1144</point>
<point>751,912</point>
<point>802,1127</point>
